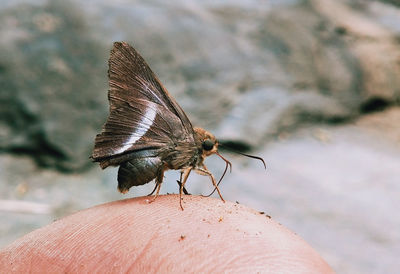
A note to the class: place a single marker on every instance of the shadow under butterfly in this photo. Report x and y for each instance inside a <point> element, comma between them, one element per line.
<point>147,132</point>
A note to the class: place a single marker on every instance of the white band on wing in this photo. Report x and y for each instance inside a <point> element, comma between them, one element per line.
<point>144,125</point>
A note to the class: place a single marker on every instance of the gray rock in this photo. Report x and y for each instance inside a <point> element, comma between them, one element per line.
<point>52,78</point>
<point>238,69</point>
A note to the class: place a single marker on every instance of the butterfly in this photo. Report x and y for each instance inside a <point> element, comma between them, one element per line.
<point>147,132</point>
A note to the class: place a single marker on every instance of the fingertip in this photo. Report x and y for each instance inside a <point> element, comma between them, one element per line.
<point>133,235</point>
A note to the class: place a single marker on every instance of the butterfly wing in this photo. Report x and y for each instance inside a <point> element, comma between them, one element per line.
<point>128,72</point>
<point>142,113</point>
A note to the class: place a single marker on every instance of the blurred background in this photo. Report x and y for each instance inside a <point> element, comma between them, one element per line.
<point>312,86</point>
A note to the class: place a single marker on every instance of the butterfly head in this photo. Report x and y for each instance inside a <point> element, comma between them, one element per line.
<point>207,141</point>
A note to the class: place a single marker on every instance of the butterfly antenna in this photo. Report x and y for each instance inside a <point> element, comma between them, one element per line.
<point>230,164</point>
<point>244,154</point>
<point>223,174</point>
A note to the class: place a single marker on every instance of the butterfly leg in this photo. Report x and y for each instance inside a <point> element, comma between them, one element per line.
<point>154,189</point>
<point>205,171</point>
<point>186,173</point>
<point>180,183</point>
<point>159,180</point>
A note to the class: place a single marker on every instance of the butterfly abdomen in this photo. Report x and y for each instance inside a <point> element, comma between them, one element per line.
<point>138,171</point>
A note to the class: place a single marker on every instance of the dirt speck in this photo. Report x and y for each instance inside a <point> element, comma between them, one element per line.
<point>182,238</point>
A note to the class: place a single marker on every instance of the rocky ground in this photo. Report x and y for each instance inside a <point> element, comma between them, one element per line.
<point>311,86</point>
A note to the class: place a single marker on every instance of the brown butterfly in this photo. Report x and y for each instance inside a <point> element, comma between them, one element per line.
<point>147,132</point>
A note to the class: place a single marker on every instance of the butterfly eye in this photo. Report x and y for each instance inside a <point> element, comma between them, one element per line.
<point>208,144</point>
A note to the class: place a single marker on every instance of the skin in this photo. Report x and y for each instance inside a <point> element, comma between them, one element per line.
<point>136,236</point>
